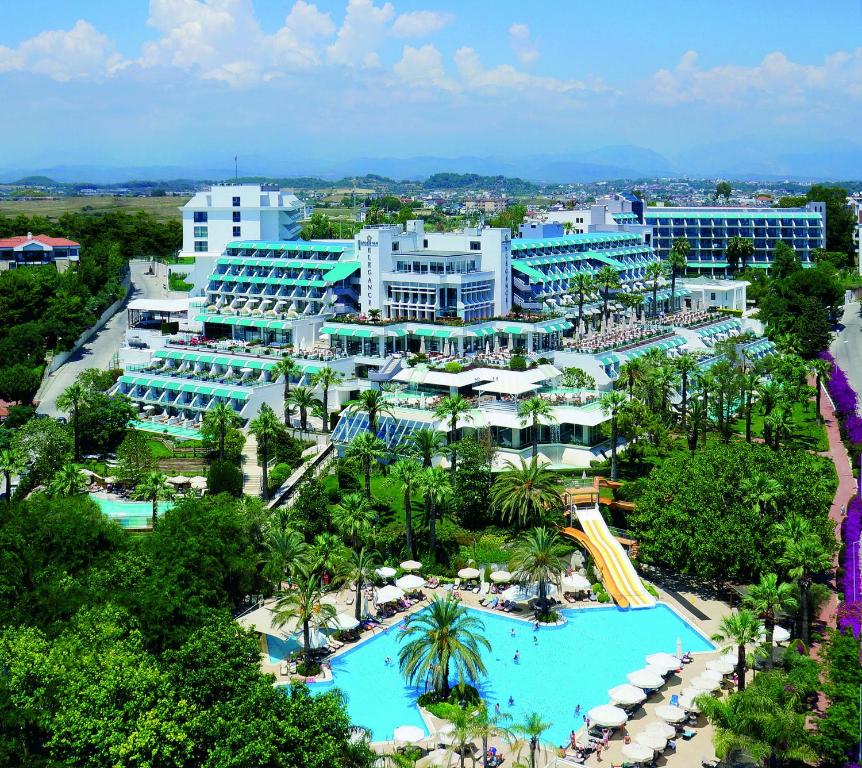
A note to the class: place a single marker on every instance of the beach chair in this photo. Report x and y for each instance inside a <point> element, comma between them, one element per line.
<point>674,700</point>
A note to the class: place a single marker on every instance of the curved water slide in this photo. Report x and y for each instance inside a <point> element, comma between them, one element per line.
<point>620,577</point>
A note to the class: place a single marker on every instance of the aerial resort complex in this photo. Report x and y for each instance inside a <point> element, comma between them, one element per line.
<point>363,406</point>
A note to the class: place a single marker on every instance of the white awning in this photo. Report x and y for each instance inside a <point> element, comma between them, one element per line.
<point>170,306</point>
<point>507,387</point>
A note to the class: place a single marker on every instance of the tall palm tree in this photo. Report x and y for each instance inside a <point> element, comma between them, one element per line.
<point>153,487</point>
<point>749,383</point>
<point>406,473</point>
<point>531,729</point>
<point>526,494</point>
<point>654,272</point>
<point>583,285</point>
<point>608,278</point>
<point>373,402</point>
<point>70,401</point>
<point>736,631</point>
<point>697,415</point>
<point>805,558</point>
<point>487,725</point>
<point>426,443</point>
<point>442,639</point>
<point>636,301</point>
<point>285,553</point>
<point>353,518</point>
<point>221,417</point>
<point>686,366</point>
<point>304,604</point>
<point>677,260</point>
<point>360,570</point>
<point>632,371</point>
<point>738,251</point>
<point>761,492</point>
<point>453,408</point>
<point>539,557</point>
<point>326,378</point>
<point>781,424</point>
<point>67,481</point>
<point>611,404</point>
<point>286,367</point>
<point>767,598</point>
<point>264,427</point>
<point>436,489</point>
<point>367,450</point>
<point>303,398</point>
<point>535,411</point>
<point>10,465</point>
<point>461,720</point>
<point>820,369</point>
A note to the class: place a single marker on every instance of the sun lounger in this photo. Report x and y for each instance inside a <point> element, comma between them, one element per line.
<point>688,734</point>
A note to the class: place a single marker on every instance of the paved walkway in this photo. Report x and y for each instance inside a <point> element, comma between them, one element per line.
<point>252,474</point>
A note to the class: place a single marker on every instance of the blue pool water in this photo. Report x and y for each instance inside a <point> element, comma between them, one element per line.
<point>129,514</point>
<point>569,665</point>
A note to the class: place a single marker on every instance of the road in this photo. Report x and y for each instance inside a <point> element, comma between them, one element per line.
<point>847,346</point>
<point>100,350</point>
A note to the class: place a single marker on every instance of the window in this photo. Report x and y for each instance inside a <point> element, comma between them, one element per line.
<point>712,297</point>
<point>200,216</point>
<point>475,245</point>
<point>237,231</point>
<point>201,246</point>
<point>395,246</point>
<point>237,216</point>
<point>201,231</point>
<point>425,243</point>
<point>235,202</point>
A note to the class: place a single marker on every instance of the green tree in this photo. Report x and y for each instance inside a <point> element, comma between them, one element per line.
<point>303,398</point>
<point>685,365</point>
<point>539,557</point>
<point>608,279</point>
<point>473,483</point>
<point>735,632</point>
<point>285,554</point>
<point>353,519</point>
<point>153,487</point>
<point>784,261</point>
<point>366,450</point>
<point>71,400</point>
<point>224,477</point>
<point>535,411</point>
<point>820,369</point>
<point>287,367</point>
<point>10,465</point>
<point>406,473</point>
<point>220,419</point>
<point>739,250</point>
<point>654,272</point>
<point>452,409</point>
<point>532,728</point>
<point>611,404</point>
<point>440,640</point>
<point>134,457</point>
<point>372,402</point>
<point>304,605</point>
<point>436,488</point>
<point>326,378</point>
<point>361,567</point>
<point>526,494</point>
<point>264,427</point>
<point>577,378</point>
<point>582,285</point>
<point>44,445</point>
<point>805,558</point>
<point>67,481</point>
<point>486,725</point>
<point>766,599</point>
<point>840,222</point>
<point>677,261</point>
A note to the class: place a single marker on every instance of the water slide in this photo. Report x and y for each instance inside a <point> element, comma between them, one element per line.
<point>620,578</point>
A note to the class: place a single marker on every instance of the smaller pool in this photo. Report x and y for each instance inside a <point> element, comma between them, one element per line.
<point>278,648</point>
<point>129,514</point>
<point>167,430</point>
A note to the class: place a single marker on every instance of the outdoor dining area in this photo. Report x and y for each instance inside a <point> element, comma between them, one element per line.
<point>620,337</point>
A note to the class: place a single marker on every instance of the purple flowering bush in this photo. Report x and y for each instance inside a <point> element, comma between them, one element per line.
<point>845,401</point>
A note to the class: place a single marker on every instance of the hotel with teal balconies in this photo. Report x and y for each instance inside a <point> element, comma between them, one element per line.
<point>709,230</point>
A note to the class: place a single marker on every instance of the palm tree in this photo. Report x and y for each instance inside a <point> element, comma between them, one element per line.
<point>539,557</point>
<point>353,518</point>
<point>70,401</point>
<point>636,301</point>
<point>462,731</point>
<point>738,251</point>
<point>366,449</point>
<point>608,278</point>
<point>286,553</point>
<point>304,603</point>
<point>611,404</point>
<point>436,489</point>
<point>452,408</point>
<point>326,378</point>
<point>220,418</point>
<point>487,725</point>
<point>654,271</point>
<point>685,365</point>
<point>767,598</point>
<point>531,729</point>
<point>372,402</point>
<point>442,637</point>
<point>535,410</point>
<point>67,481</point>
<point>526,494</point>
<point>805,557</point>
<point>677,260</point>
<point>154,488</point>
<point>426,443</point>
<point>303,398</point>
<point>286,367</point>
<point>583,285</point>
<point>10,464</point>
<point>736,631</point>
<point>632,371</point>
<point>697,416</point>
<point>264,427</point>
<point>406,473</point>
<point>820,369</point>
<point>749,383</point>
<point>360,570</point>
<point>781,425</point>
<point>761,492</point>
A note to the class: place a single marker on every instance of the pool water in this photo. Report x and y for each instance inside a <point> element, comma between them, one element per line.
<point>564,666</point>
<point>129,514</point>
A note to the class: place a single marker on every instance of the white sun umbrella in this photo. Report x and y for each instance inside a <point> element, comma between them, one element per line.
<point>316,639</point>
<point>521,593</point>
<point>385,572</point>
<point>411,565</point>
<point>712,674</point>
<point>687,697</point>
<point>731,657</point>
<point>664,660</point>
<point>670,714</point>
<point>652,739</point>
<point>575,583</point>
<point>656,726</point>
<point>780,635</point>
<point>626,694</point>
<point>637,752</point>
<point>705,684</point>
<point>408,734</point>
<point>501,577</point>
<point>722,665</point>
<point>410,581</point>
<point>345,621</point>
<point>608,716</point>
<point>468,573</point>
<point>389,594</point>
<point>445,734</point>
<point>645,678</point>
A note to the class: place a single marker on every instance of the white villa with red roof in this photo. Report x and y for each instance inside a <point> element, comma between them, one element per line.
<point>37,250</point>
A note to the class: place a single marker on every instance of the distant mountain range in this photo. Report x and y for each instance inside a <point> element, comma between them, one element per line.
<point>736,159</point>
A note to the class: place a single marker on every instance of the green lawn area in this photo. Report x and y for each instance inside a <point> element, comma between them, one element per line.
<point>382,492</point>
<point>159,449</point>
<point>807,432</point>
<point>161,207</point>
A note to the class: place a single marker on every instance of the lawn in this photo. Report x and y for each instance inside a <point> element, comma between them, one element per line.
<point>807,432</point>
<point>162,208</point>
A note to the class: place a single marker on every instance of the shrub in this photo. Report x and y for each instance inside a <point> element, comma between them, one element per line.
<point>453,367</point>
<point>310,669</point>
<point>224,477</point>
<point>517,363</point>
<point>278,474</point>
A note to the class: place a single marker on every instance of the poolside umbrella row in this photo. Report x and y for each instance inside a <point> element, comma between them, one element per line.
<point>501,577</point>
<point>687,697</point>
<point>468,573</point>
<point>653,740</point>
<point>389,594</point>
<point>607,716</point>
<point>637,752</point>
<point>647,678</point>
<point>575,583</point>
<point>627,694</point>
<point>663,729</point>
<point>671,714</point>
<point>385,572</point>
<point>723,666</point>
<point>411,565</point>
<point>664,661</point>
<point>408,734</point>
<point>410,581</point>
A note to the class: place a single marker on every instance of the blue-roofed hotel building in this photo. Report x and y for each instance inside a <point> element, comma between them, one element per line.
<point>709,230</point>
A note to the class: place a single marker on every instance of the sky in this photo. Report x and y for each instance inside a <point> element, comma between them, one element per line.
<point>284,82</point>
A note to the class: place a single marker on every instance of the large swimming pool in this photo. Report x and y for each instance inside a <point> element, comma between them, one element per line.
<point>129,514</point>
<point>563,667</point>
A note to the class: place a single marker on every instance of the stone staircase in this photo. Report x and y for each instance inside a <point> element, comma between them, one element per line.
<point>252,474</point>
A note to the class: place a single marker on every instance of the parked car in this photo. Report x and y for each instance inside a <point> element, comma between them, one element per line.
<point>138,343</point>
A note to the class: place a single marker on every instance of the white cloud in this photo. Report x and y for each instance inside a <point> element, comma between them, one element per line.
<point>81,51</point>
<point>362,33</point>
<point>296,43</point>
<point>423,67</point>
<point>504,77</point>
<point>421,23</point>
<point>523,46</point>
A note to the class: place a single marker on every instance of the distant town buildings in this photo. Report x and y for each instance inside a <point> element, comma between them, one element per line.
<point>38,250</point>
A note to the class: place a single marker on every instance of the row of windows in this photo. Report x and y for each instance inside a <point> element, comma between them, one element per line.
<point>201,217</point>
<point>201,246</point>
<point>201,231</point>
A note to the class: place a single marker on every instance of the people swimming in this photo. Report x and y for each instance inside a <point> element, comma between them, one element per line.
<point>517,658</point>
